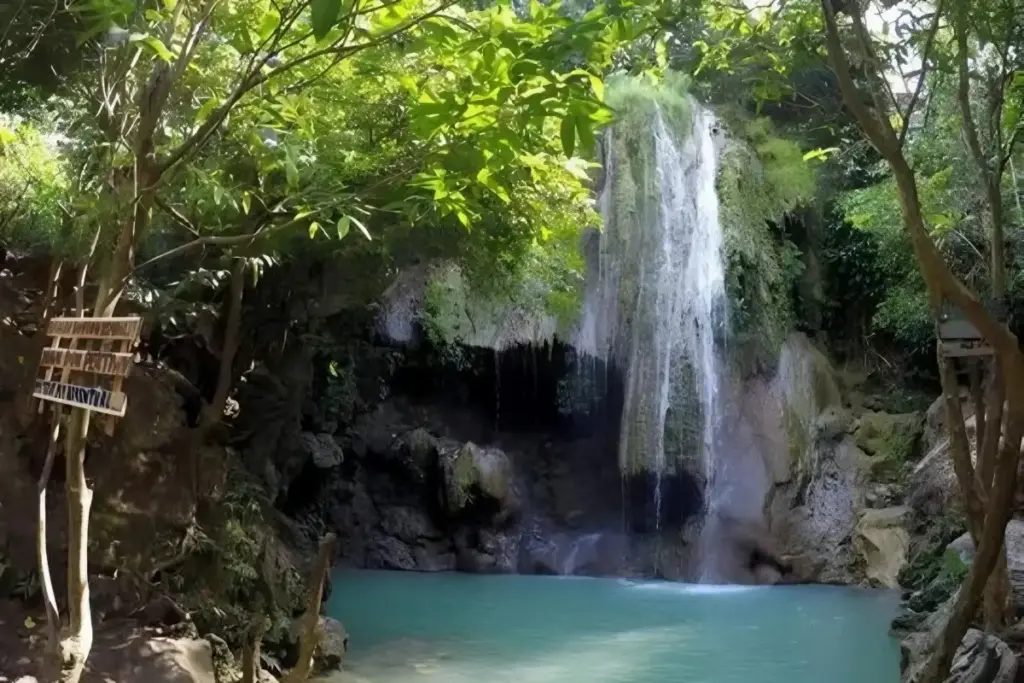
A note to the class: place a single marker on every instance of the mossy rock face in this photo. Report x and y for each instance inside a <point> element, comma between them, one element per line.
<point>890,440</point>
<point>481,478</point>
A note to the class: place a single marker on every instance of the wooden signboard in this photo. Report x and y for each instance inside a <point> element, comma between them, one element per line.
<point>97,351</point>
<point>958,337</point>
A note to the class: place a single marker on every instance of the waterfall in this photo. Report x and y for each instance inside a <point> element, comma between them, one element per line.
<point>655,296</point>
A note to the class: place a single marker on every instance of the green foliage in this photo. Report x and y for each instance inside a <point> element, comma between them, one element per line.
<point>762,177</point>
<point>239,567</point>
<point>33,188</point>
<point>935,571</point>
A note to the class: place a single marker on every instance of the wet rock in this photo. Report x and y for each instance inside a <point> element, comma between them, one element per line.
<point>480,478</point>
<point>983,658</point>
<point>486,551</point>
<point>331,646</point>
<point>435,557</point>
<point>408,524</point>
<point>890,440</point>
<point>322,450</point>
<point>815,535</point>
<point>417,450</point>
<point>882,541</point>
<point>388,552</point>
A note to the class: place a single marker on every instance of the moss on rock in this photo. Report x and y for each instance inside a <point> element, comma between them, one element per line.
<point>474,474</point>
<point>761,177</point>
<point>890,440</point>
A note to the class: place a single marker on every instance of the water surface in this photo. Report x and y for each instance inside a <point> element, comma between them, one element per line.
<point>464,628</point>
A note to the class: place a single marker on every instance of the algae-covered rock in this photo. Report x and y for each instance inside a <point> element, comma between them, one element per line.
<point>882,541</point>
<point>890,440</point>
<point>479,475</point>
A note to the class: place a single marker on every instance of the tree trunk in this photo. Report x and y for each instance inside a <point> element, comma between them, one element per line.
<point>78,641</point>
<point>225,374</point>
<point>975,483</point>
<point>251,650</point>
<point>42,558</point>
<point>311,619</point>
<point>998,513</point>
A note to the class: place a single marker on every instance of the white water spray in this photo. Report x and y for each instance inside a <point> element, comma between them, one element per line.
<point>655,302</point>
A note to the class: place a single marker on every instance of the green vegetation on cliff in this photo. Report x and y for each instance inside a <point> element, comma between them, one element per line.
<point>762,178</point>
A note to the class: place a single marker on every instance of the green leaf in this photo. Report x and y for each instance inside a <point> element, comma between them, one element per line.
<point>343,226</point>
<point>268,24</point>
<point>361,227</point>
<point>169,5</point>
<point>324,14</point>
<point>313,227</point>
<point>155,45</point>
<point>820,153</point>
<point>568,135</point>
<point>598,85</point>
<point>246,202</point>
<point>585,134</point>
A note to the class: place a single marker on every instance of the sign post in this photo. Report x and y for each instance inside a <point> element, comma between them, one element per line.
<point>98,353</point>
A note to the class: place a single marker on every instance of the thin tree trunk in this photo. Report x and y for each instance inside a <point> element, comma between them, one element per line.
<point>43,561</point>
<point>311,619</point>
<point>960,450</point>
<point>998,513</point>
<point>251,650</point>
<point>78,642</point>
<point>225,374</point>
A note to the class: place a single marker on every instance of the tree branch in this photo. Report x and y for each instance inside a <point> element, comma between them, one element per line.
<point>970,130</point>
<point>929,42</point>
<point>254,78</point>
<point>178,217</point>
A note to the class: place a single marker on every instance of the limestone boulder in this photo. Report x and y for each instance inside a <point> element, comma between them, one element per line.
<point>983,658</point>
<point>331,645</point>
<point>882,541</point>
<point>409,524</point>
<point>481,480</point>
<point>388,552</point>
<point>931,486</point>
<point>815,534</point>
<point>152,659</point>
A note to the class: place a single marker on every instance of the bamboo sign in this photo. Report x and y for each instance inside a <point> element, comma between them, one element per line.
<point>98,353</point>
<point>101,362</point>
<point>96,328</point>
<point>92,398</point>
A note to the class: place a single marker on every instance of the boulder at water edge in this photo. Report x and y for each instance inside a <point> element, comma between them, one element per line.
<point>882,541</point>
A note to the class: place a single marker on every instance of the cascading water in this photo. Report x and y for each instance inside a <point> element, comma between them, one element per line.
<point>655,302</point>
